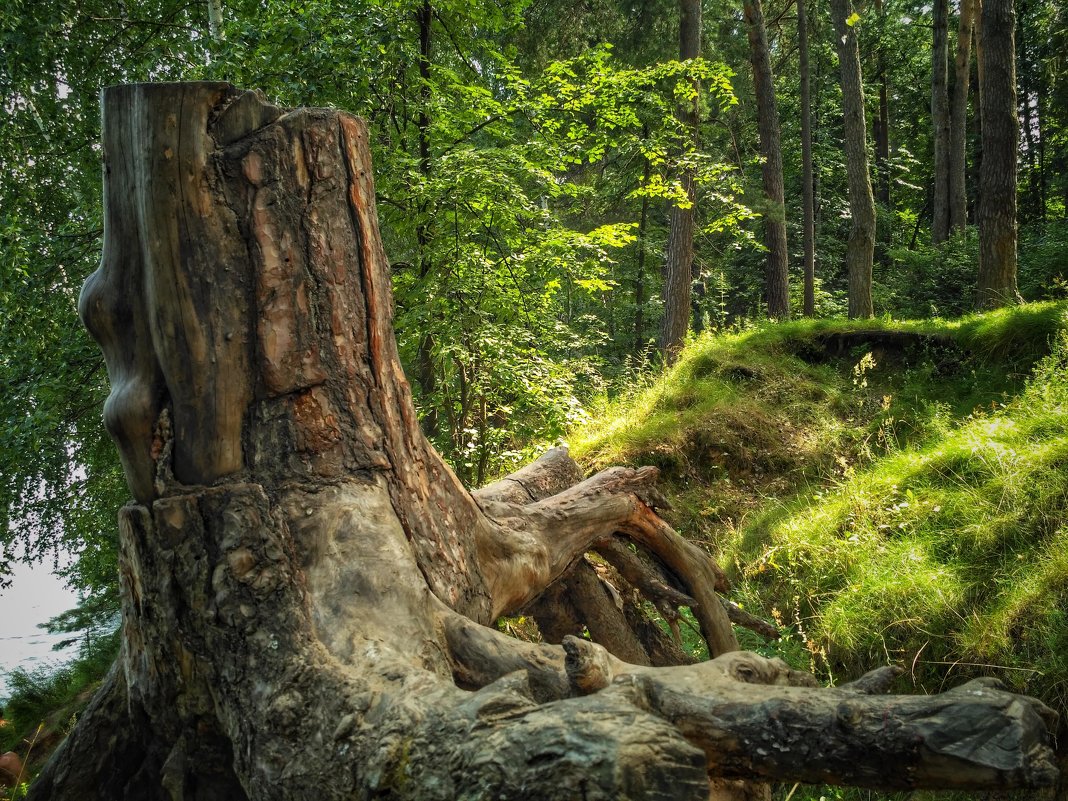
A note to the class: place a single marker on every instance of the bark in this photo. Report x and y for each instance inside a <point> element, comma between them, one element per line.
<point>958,131</point>
<point>678,263</point>
<point>860,249</point>
<point>215,20</point>
<point>940,121</point>
<point>306,586</point>
<point>1001,135</point>
<point>807,179</point>
<point>427,373</point>
<point>640,341</point>
<point>776,273</point>
<point>881,125</point>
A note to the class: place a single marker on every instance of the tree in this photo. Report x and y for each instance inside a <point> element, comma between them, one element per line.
<point>940,121</point>
<point>881,124</point>
<point>958,118</point>
<point>807,177</point>
<point>860,250</point>
<point>678,265</point>
<point>306,586</point>
<point>1001,135</point>
<point>776,275</point>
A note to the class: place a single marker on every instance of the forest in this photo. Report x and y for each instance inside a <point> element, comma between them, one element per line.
<point>806,260</point>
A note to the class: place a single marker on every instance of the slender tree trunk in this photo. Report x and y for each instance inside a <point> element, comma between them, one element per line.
<point>860,250</point>
<point>1027,61</point>
<point>639,279</point>
<point>1001,136</point>
<point>215,20</point>
<point>308,592</point>
<point>977,108</point>
<point>808,189</point>
<point>940,121</point>
<point>881,135</point>
<point>678,266</point>
<point>881,128</point>
<point>776,274</point>
<point>426,372</point>
<point>958,131</point>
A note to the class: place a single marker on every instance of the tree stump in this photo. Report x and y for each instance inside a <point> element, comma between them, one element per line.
<point>308,591</point>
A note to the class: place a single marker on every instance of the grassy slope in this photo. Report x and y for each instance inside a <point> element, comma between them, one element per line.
<point>913,509</point>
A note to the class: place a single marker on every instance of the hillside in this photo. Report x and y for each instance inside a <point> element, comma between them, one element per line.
<point>886,492</point>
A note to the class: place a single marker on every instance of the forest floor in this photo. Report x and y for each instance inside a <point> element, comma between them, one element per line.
<point>886,492</point>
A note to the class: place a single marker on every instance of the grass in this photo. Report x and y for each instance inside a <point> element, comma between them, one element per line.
<point>759,414</point>
<point>949,556</point>
<point>887,498</point>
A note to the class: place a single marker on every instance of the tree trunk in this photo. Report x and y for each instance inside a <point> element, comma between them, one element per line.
<point>678,263</point>
<point>639,277</point>
<point>881,126</point>
<point>940,121</point>
<point>426,372</point>
<point>306,585</point>
<point>215,20</point>
<point>807,186</point>
<point>1001,136</point>
<point>776,274</point>
<point>958,130</point>
<point>860,250</point>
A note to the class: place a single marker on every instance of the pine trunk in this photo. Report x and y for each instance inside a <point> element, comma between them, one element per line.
<point>860,249</point>
<point>1001,136</point>
<point>881,126</point>
<point>776,274</point>
<point>807,179</point>
<point>306,587</point>
<point>958,131</point>
<point>678,263</point>
<point>940,121</point>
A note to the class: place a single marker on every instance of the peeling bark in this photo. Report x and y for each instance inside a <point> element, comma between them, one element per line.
<point>306,586</point>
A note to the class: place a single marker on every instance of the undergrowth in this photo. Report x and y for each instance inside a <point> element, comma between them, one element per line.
<point>887,492</point>
<point>950,556</point>
<point>43,705</point>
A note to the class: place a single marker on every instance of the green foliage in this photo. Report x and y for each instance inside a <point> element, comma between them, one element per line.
<point>1044,260</point>
<point>929,281</point>
<point>60,482</point>
<point>523,165</point>
<point>51,694</point>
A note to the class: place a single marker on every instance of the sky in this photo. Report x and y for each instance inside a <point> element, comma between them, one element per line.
<point>35,596</point>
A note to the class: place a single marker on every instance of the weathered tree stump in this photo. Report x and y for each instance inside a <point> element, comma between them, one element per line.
<point>308,589</point>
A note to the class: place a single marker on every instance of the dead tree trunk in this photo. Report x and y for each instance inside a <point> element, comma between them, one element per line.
<point>306,585</point>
